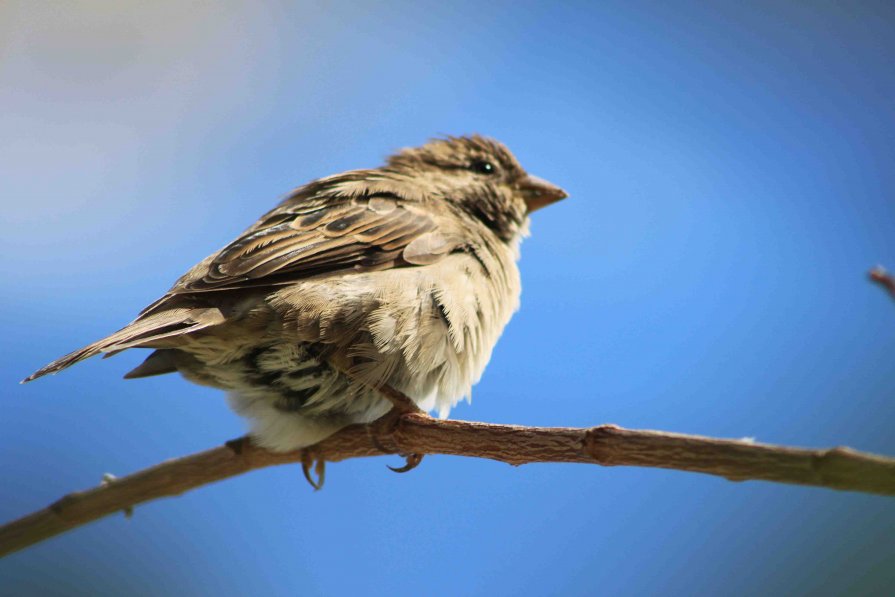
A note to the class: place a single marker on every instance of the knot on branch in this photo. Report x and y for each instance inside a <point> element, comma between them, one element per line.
<point>845,467</point>
<point>601,444</point>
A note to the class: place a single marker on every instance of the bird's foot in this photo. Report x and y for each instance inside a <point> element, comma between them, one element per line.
<point>382,433</point>
<point>319,464</point>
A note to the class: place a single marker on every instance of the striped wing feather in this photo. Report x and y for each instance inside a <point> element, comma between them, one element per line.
<point>358,234</point>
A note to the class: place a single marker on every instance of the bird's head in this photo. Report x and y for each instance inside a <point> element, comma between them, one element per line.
<point>482,177</point>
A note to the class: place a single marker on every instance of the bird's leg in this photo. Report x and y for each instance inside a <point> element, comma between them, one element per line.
<point>402,405</point>
<point>384,427</point>
<point>400,401</point>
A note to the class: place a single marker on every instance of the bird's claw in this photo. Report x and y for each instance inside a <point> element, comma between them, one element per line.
<point>307,460</point>
<point>411,462</point>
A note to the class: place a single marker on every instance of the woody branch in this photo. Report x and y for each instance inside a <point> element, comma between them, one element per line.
<point>414,433</point>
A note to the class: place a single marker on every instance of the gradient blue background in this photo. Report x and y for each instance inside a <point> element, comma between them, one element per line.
<point>731,177</point>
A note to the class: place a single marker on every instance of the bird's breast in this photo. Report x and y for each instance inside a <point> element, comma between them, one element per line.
<point>427,331</point>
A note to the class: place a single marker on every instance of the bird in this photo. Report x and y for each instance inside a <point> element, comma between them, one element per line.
<point>402,276</point>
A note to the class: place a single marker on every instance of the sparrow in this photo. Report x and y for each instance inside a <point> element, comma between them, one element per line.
<point>401,276</point>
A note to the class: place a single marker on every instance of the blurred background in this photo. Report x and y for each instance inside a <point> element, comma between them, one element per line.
<point>730,167</point>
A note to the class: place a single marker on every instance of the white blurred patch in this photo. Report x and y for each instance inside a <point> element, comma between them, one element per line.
<point>108,109</point>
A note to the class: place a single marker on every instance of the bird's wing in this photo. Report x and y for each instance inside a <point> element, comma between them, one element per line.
<point>321,228</point>
<point>311,238</point>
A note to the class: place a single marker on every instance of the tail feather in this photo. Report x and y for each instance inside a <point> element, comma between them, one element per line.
<point>159,362</point>
<point>143,332</point>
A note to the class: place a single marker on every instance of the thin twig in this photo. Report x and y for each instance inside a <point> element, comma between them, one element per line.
<point>607,445</point>
<point>884,279</point>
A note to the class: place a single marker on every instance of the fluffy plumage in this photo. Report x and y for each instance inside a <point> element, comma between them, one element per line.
<point>402,275</point>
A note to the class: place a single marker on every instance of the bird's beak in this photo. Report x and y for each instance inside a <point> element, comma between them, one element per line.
<point>538,193</point>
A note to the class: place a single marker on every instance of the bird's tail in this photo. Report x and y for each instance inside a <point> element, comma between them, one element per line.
<point>150,331</point>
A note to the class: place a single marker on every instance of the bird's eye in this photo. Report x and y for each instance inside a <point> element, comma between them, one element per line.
<point>483,167</point>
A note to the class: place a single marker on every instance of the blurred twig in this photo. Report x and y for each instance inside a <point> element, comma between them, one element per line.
<point>884,279</point>
<point>414,433</point>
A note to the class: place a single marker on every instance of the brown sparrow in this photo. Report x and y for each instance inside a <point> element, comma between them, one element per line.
<point>403,275</point>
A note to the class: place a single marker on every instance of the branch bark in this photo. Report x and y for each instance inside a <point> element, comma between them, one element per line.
<point>414,433</point>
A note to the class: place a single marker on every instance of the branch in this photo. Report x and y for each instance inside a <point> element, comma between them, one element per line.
<point>884,279</point>
<point>412,433</point>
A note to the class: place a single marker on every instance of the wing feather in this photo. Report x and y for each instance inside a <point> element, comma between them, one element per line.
<point>314,233</point>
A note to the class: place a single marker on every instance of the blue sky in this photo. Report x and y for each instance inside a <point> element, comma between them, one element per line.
<point>730,176</point>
